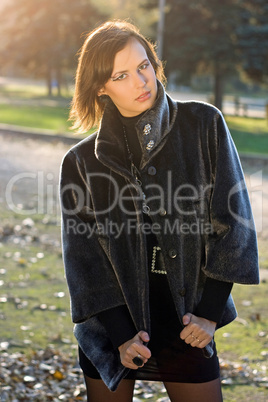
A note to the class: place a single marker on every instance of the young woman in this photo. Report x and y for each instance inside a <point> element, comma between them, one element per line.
<point>156,225</point>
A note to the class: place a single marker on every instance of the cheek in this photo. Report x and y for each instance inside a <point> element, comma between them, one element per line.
<point>122,93</point>
<point>152,72</point>
<point>152,78</point>
<point>110,92</point>
<point>119,96</point>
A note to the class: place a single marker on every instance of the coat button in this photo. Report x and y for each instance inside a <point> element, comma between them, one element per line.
<point>150,145</point>
<point>172,253</point>
<point>182,292</point>
<point>147,129</point>
<point>152,170</point>
<point>162,212</point>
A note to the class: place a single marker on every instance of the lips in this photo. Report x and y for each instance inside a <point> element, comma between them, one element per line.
<point>146,95</point>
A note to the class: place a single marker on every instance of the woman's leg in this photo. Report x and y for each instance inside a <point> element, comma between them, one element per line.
<point>202,392</point>
<point>98,392</point>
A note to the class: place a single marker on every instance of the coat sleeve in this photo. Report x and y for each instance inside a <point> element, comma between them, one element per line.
<point>118,324</point>
<point>213,300</point>
<point>231,247</point>
<point>90,277</point>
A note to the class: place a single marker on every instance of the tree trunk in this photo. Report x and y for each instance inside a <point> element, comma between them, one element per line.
<point>49,81</point>
<point>218,86</point>
<point>59,80</point>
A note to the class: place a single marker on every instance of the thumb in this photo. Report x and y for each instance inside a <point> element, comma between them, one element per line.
<point>144,336</point>
<point>186,319</point>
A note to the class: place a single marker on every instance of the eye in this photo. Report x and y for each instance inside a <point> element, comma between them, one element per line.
<point>144,66</point>
<point>119,78</point>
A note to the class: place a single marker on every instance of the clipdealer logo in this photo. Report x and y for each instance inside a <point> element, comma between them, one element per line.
<point>130,226</point>
<point>46,197</point>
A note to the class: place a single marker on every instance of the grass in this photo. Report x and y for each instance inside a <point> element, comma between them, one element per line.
<point>263,253</point>
<point>44,117</point>
<point>243,335</point>
<point>29,106</point>
<point>32,284</point>
<point>244,393</point>
<point>25,90</point>
<point>250,134</point>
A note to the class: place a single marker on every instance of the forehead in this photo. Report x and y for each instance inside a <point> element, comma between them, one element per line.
<point>131,55</point>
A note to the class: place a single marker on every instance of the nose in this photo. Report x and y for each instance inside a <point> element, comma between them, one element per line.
<point>139,79</point>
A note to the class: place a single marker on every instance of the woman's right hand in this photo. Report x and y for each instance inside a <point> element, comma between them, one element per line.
<point>133,348</point>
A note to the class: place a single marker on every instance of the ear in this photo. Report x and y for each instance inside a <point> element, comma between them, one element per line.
<point>101,92</point>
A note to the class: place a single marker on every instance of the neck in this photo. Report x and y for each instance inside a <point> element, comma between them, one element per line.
<point>131,137</point>
<point>130,121</point>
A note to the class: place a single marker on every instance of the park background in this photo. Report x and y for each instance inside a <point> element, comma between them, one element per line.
<point>215,52</point>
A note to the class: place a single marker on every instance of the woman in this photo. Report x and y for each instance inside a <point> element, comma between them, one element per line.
<point>156,225</point>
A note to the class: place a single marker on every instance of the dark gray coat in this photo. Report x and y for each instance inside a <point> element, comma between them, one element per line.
<point>195,188</point>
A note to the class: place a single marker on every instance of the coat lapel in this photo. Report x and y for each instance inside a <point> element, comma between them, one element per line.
<point>152,130</point>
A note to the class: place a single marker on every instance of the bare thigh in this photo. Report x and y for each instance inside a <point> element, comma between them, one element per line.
<point>97,391</point>
<point>202,392</point>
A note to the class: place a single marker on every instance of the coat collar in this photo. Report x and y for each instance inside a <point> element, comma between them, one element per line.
<point>152,129</point>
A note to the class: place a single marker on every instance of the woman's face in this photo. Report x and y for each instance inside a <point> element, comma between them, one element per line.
<point>132,86</point>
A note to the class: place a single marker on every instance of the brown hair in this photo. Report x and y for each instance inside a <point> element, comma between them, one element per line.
<point>95,67</point>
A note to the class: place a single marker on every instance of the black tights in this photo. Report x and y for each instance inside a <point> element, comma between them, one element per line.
<point>177,392</point>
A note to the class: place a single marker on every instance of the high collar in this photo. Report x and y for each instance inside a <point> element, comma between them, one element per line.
<point>110,145</point>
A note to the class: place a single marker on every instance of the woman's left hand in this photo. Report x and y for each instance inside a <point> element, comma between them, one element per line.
<point>198,331</point>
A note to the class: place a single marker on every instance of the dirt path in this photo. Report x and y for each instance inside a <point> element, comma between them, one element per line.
<point>29,171</point>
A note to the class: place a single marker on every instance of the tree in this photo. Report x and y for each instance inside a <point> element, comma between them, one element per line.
<point>131,10</point>
<point>205,36</point>
<point>202,37</point>
<point>42,36</point>
<point>253,40</point>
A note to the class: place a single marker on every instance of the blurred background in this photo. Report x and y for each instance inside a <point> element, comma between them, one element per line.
<point>214,52</point>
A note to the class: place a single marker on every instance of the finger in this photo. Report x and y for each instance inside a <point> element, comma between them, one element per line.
<point>134,352</point>
<point>184,334</point>
<point>129,361</point>
<point>138,360</point>
<point>187,330</point>
<point>138,348</point>
<point>193,340</point>
<point>143,351</point>
<point>144,336</point>
<point>189,340</point>
<point>186,319</point>
<point>130,365</point>
<point>196,343</point>
<point>205,342</point>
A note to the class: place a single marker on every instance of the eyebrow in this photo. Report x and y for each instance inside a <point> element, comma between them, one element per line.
<point>125,71</point>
